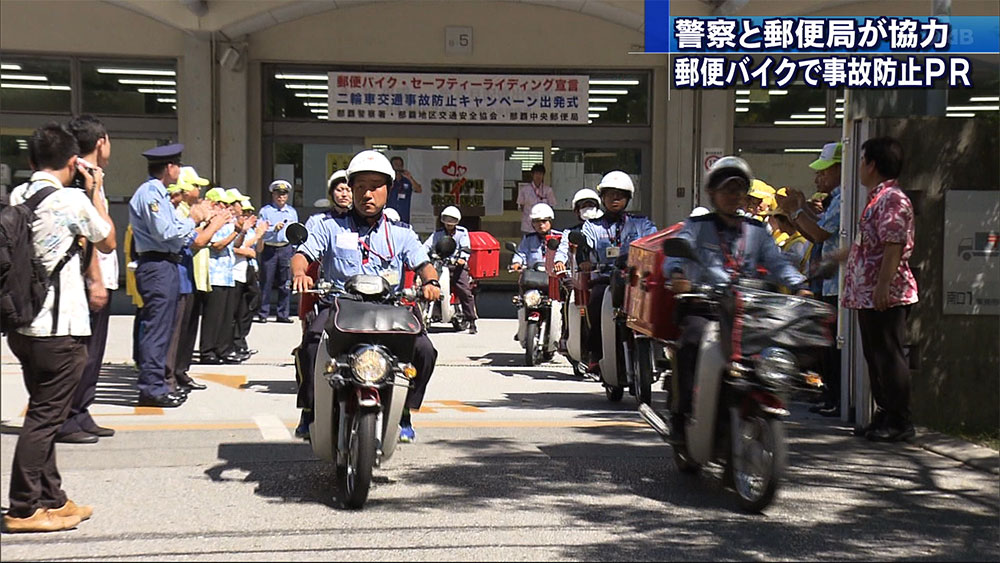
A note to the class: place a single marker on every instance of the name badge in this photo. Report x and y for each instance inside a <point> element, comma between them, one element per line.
<point>612,252</point>
<point>402,196</point>
<point>347,241</point>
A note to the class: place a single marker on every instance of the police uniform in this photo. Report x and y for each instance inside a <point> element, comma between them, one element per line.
<point>461,283</point>
<point>159,236</point>
<point>609,239</point>
<point>347,246</point>
<point>724,252</point>
<point>275,261</point>
<point>533,248</point>
<point>401,197</point>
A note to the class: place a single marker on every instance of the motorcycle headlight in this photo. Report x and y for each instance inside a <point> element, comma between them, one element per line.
<point>777,367</point>
<point>532,298</point>
<point>370,365</point>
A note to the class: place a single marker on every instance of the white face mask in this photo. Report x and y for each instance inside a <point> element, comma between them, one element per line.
<point>591,213</point>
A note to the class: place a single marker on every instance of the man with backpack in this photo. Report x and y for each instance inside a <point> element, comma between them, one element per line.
<point>50,340</point>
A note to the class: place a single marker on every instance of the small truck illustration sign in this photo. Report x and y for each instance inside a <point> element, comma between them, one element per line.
<point>982,244</point>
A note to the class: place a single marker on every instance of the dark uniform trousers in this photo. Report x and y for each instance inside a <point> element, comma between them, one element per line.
<point>424,357</point>
<point>830,363</point>
<point>79,419</point>
<point>275,264</point>
<point>158,282</point>
<point>185,304</point>
<point>461,284</point>
<point>247,305</point>
<point>217,322</point>
<point>51,367</point>
<point>189,333</point>
<point>883,335</point>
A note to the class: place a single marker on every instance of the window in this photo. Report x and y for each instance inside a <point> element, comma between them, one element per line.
<point>796,105</point>
<point>129,88</point>
<point>574,169</point>
<point>35,85</point>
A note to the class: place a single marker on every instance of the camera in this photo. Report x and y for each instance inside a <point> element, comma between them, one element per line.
<point>79,181</point>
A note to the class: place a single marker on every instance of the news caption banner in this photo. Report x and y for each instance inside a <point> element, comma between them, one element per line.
<point>852,52</point>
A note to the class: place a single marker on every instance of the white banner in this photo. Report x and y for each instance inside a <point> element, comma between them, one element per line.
<point>470,180</point>
<point>458,98</point>
<point>972,252</point>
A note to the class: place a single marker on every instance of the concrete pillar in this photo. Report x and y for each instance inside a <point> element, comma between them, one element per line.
<point>233,137</point>
<point>681,156</point>
<point>194,91</point>
<point>716,123</point>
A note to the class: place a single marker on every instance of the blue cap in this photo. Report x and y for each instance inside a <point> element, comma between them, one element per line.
<point>166,153</point>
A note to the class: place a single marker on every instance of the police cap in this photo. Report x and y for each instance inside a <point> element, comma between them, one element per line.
<point>164,154</point>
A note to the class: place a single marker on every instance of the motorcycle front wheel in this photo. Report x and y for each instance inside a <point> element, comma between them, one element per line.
<point>614,393</point>
<point>355,478</point>
<point>530,335</point>
<point>757,460</point>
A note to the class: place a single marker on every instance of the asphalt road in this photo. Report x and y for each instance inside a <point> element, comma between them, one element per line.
<point>511,463</point>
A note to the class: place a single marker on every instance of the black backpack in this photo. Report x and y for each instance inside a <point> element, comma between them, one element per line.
<point>23,279</point>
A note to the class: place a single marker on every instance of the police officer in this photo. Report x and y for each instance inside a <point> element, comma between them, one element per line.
<point>532,249</point>
<point>728,244</point>
<point>587,206</point>
<point>159,236</point>
<point>363,242</point>
<point>460,281</point>
<point>608,239</point>
<point>275,259</point>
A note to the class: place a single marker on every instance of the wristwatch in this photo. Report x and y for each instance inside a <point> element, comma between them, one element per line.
<point>435,283</point>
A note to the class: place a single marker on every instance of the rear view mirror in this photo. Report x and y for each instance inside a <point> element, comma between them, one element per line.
<point>679,248</point>
<point>552,244</point>
<point>296,233</point>
<point>445,246</point>
<point>511,246</point>
<point>577,238</point>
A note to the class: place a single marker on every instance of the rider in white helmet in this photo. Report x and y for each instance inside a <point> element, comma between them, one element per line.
<point>363,241</point>
<point>532,249</point>
<point>727,244</point>
<point>461,284</point>
<point>608,238</point>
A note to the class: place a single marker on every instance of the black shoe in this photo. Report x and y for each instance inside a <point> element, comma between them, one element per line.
<point>824,406</point>
<point>181,390</point>
<point>80,437</point>
<point>251,351</point>
<point>233,358</point>
<point>473,329</point>
<point>166,401</point>
<point>878,421</point>
<point>100,431</point>
<point>892,433</point>
<point>261,320</point>
<point>833,410</point>
<point>191,384</point>
<point>285,320</point>
<point>210,359</point>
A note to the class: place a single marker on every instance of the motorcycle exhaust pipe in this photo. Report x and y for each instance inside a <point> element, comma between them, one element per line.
<point>656,421</point>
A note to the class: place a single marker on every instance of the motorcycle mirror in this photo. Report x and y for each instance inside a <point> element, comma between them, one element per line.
<point>577,238</point>
<point>296,233</point>
<point>511,247</point>
<point>679,248</point>
<point>552,244</point>
<point>445,246</point>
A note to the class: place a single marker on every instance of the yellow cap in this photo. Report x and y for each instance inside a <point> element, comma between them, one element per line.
<point>187,180</point>
<point>219,194</point>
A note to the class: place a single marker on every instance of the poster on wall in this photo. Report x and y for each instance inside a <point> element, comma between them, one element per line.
<point>469,180</point>
<point>972,253</point>
<point>408,97</point>
<point>337,161</point>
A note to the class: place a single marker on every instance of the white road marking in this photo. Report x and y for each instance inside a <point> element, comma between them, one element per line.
<point>271,428</point>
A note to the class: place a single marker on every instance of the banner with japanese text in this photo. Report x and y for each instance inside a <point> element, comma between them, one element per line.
<point>458,98</point>
<point>469,180</point>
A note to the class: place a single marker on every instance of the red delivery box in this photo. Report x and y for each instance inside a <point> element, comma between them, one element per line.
<point>485,259</point>
<point>648,304</point>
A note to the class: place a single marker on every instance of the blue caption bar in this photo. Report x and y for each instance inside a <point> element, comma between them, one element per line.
<point>718,35</point>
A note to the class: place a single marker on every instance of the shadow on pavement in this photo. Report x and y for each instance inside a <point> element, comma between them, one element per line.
<point>280,387</point>
<point>574,401</point>
<point>117,386</point>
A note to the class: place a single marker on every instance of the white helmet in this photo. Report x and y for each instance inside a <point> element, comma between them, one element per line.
<point>370,161</point>
<point>699,211</point>
<point>391,214</point>
<point>337,174</point>
<point>618,180</point>
<point>451,211</point>
<point>542,211</point>
<point>584,195</point>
